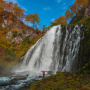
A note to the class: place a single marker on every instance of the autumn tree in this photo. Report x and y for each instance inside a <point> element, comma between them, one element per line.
<point>15,31</point>
<point>18,12</point>
<point>53,23</point>
<point>33,18</point>
<point>44,28</point>
<point>1,6</point>
<point>61,20</point>
<point>78,5</point>
<point>27,19</point>
<point>68,14</point>
<point>5,8</point>
<point>9,6</point>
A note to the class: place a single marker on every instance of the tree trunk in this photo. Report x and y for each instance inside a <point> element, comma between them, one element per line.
<point>33,24</point>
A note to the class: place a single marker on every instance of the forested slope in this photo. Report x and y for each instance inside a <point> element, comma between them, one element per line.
<point>15,37</point>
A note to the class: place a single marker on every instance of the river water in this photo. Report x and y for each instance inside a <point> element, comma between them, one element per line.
<point>18,80</point>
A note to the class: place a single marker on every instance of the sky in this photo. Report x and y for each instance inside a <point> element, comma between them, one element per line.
<point>47,10</point>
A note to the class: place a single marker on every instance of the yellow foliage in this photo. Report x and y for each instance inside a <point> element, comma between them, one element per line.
<point>15,29</point>
<point>2,36</point>
<point>78,4</point>
<point>68,14</point>
<point>61,20</point>
<point>10,22</point>
<point>17,47</point>
<point>2,46</point>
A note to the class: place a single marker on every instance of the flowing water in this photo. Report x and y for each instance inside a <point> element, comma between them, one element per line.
<point>56,51</point>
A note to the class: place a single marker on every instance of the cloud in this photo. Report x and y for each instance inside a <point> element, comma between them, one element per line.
<point>53,20</point>
<point>59,1</point>
<point>22,7</point>
<point>64,3</point>
<point>14,1</point>
<point>28,24</point>
<point>65,7</point>
<point>47,8</point>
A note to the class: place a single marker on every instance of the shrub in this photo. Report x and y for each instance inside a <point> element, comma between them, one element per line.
<point>10,52</point>
<point>15,34</point>
<point>24,31</point>
<point>19,34</point>
<point>85,57</point>
<point>37,31</point>
<point>26,41</point>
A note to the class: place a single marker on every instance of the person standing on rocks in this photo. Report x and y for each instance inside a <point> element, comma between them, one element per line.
<point>43,73</point>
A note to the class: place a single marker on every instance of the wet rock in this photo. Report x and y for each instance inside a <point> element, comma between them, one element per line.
<point>40,77</point>
<point>50,72</point>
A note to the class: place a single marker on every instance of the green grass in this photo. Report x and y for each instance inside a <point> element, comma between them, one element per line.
<point>63,81</point>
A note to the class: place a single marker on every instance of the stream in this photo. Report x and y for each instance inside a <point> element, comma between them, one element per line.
<point>18,81</point>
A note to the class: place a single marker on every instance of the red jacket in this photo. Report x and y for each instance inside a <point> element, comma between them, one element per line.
<point>43,72</point>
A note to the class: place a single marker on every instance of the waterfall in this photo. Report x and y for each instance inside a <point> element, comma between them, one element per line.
<point>57,50</point>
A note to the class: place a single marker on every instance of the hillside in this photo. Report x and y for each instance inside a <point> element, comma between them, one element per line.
<point>65,49</point>
<point>15,37</point>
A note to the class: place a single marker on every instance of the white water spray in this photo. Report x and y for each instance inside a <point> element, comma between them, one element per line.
<point>57,50</point>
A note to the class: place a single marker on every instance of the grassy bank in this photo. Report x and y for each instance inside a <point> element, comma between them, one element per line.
<point>63,81</point>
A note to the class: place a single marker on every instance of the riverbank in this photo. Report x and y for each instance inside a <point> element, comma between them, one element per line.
<point>18,81</point>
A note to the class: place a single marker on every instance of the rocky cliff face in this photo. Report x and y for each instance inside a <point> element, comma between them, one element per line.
<point>19,38</point>
<point>14,29</point>
<point>87,12</point>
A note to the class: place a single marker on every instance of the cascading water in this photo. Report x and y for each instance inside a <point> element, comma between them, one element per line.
<point>56,51</point>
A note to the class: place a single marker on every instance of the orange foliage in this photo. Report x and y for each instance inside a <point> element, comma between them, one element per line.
<point>1,4</point>
<point>12,13</point>
<point>33,18</point>
<point>68,14</point>
<point>78,4</point>
<point>17,47</point>
<point>9,6</point>
<point>61,20</point>
<point>18,12</point>
<point>10,22</point>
